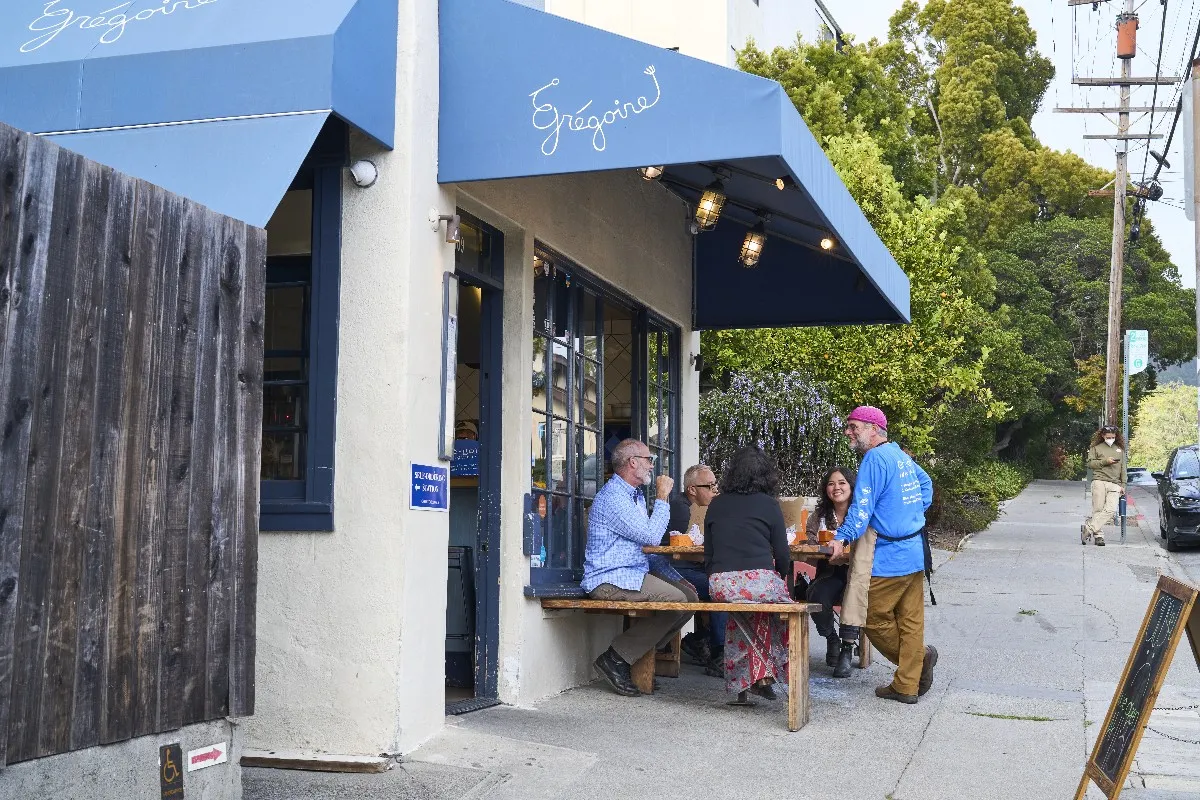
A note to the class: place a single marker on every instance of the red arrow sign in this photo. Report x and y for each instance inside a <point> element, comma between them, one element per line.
<point>211,755</point>
<point>199,759</point>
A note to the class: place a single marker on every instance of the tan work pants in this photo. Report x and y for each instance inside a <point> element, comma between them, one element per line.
<point>1105,497</point>
<point>896,626</point>
<point>648,633</point>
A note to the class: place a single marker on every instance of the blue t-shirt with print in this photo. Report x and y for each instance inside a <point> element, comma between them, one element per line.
<point>890,495</point>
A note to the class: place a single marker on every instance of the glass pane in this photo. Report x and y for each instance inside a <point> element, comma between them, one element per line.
<point>587,380</point>
<point>558,546</point>
<point>666,359</point>
<point>591,325</point>
<point>560,359</point>
<point>475,250</point>
<point>652,358</point>
<point>542,322</point>
<point>537,459</point>
<point>283,456</point>
<point>283,406</point>
<point>541,522</point>
<point>290,230</point>
<point>558,455</point>
<point>1187,465</point>
<point>286,315</point>
<point>562,302</point>
<point>285,369</point>
<point>653,418</point>
<point>538,373</point>
<point>591,462</point>
<point>583,508</point>
<point>666,423</point>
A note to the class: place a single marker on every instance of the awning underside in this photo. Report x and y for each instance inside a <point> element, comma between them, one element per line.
<point>518,100</point>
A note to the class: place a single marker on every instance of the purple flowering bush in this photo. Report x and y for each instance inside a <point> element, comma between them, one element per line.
<point>786,414</point>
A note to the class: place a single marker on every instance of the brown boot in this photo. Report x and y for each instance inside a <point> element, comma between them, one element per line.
<point>927,665</point>
<point>888,693</point>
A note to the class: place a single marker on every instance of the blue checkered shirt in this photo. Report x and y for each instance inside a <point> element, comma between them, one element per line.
<point>618,529</point>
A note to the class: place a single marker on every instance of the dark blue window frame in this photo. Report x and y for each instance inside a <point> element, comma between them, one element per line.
<point>307,505</point>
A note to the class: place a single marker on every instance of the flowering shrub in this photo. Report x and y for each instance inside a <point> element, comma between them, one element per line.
<point>785,414</point>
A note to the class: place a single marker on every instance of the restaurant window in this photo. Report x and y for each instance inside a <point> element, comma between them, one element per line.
<point>300,344</point>
<point>588,393</point>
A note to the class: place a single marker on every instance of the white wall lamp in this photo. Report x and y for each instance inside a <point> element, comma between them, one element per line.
<point>364,173</point>
<point>453,222</point>
<point>753,244</point>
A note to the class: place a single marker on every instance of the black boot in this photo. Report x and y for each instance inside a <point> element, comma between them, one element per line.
<point>615,670</point>
<point>832,646</point>
<point>844,659</point>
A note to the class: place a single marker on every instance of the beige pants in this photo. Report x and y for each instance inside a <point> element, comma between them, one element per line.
<point>896,626</point>
<point>1105,498</point>
<point>651,632</point>
<point>858,582</point>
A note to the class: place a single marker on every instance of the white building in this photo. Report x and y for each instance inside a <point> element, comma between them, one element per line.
<point>580,290</point>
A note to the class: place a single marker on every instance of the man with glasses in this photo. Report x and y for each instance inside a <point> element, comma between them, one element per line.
<point>706,645</point>
<point>615,568</point>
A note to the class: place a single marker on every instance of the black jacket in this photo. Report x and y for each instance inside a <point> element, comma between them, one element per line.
<point>744,532</point>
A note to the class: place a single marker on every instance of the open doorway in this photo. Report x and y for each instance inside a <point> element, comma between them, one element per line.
<point>473,562</point>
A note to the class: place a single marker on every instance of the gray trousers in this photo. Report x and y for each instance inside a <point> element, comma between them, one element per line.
<point>649,633</point>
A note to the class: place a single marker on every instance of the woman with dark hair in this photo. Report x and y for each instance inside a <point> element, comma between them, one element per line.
<point>839,581</point>
<point>746,556</point>
<point>1105,458</point>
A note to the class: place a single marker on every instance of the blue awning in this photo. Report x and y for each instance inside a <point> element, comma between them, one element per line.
<point>105,77</point>
<point>526,93</point>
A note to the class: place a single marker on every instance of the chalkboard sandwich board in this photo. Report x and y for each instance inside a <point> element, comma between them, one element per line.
<point>1172,610</point>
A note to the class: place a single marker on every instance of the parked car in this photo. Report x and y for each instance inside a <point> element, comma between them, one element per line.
<point>1139,476</point>
<point>1179,498</point>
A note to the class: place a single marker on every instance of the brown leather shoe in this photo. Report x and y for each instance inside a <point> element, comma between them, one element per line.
<point>888,693</point>
<point>927,665</point>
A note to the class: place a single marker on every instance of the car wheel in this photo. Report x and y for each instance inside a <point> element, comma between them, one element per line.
<point>1171,546</point>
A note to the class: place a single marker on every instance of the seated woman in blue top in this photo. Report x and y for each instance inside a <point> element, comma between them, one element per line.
<point>746,556</point>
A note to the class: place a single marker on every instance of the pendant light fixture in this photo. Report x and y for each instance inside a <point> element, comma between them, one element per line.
<point>712,202</point>
<point>753,244</point>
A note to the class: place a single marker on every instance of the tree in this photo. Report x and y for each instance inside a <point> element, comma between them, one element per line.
<point>1166,419</point>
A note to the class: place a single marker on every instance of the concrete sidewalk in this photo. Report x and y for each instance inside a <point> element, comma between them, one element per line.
<point>1033,631</point>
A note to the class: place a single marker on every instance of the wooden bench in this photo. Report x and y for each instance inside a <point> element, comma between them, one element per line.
<point>796,615</point>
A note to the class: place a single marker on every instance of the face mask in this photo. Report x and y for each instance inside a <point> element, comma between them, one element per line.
<point>1108,440</point>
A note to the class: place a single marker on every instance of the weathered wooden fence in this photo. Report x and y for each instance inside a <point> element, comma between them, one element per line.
<point>131,350</point>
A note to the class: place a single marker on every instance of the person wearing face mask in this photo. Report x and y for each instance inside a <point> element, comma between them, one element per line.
<point>615,568</point>
<point>1106,460</point>
<point>844,581</point>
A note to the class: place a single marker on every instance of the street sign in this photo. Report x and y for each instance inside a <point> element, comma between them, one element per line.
<point>1138,352</point>
<point>430,488</point>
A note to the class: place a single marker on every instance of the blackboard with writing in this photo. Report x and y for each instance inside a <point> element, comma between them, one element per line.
<point>1168,613</point>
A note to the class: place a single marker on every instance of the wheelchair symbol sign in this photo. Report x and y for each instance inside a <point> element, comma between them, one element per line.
<point>170,771</point>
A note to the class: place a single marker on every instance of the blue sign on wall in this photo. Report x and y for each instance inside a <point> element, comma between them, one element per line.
<point>430,488</point>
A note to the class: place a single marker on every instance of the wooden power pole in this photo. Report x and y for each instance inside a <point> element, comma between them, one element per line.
<point>1127,23</point>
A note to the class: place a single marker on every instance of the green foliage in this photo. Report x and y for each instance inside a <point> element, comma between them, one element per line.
<point>785,414</point>
<point>969,494</point>
<point>1165,420</point>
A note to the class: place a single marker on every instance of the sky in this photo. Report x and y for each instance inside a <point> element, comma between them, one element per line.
<point>1081,41</point>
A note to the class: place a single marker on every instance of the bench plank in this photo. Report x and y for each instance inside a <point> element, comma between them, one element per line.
<point>630,605</point>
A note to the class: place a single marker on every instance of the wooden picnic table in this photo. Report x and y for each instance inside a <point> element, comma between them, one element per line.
<point>800,552</point>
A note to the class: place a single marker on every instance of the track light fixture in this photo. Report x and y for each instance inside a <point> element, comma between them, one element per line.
<point>651,173</point>
<point>785,182</point>
<point>827,243</point>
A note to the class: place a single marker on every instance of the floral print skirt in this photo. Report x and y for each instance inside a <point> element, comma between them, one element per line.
<point>756,645</point>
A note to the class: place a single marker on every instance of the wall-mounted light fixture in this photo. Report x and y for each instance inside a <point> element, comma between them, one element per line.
<point>364,172</point>
<point>785,182</point>
<point>651,173</point>
<point>712,202</point>
<point>753,243</point>
<point>453,221</point>
<point>827,243</point>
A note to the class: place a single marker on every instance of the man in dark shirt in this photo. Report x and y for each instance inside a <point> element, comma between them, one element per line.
<point>706,645</point>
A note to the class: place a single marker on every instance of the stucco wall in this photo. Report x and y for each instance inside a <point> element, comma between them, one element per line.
<point>351,624</point>
<point>129,770</point>
<point>631,234</point>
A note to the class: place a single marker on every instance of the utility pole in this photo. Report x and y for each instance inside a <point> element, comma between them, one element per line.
<point>1127,23</point>
<point>1195,178</point>
<point>1116,276</point>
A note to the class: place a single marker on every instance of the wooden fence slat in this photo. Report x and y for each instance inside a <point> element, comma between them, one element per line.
<point>153,325</point>
<point>230,241</point>
<point>109,590</point>
<point>180,473</point>
<point>249,371</point>
<point>44,488</point>
<point>25,230</point>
